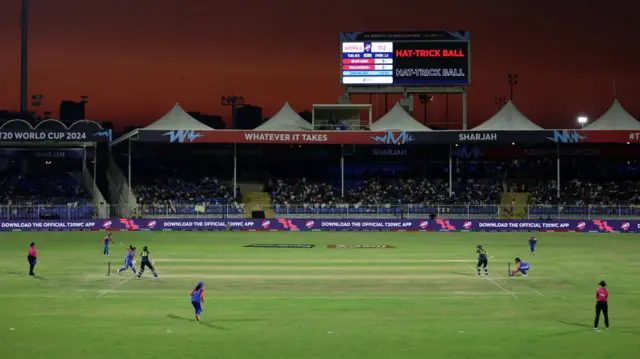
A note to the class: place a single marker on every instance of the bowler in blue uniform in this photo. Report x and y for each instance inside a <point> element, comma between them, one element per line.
<point>522,267</point>
<point>128,260</point>
<point>532,244</point>
<point>197,298</point>
<point>106,242</point>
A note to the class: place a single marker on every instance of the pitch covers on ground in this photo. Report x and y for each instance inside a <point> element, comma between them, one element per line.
<point>358,246</point>
<point>281,245</point>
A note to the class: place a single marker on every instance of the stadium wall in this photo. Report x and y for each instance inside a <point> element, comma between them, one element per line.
<point>284,224</point>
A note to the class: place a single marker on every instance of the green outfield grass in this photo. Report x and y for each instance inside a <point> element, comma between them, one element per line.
<point>421,299</point>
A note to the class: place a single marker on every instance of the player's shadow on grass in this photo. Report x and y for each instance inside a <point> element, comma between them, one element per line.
<point>206,324</point>
<point>466,274</point>
<point>575,324</point>
<point>240,320</point>
<point>631,329</point>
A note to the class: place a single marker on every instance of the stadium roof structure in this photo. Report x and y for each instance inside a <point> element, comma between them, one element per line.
<point>176,119</point>
<point>616,118</point>
<point>50,124</point>
<point>285,120</point>
<point>53,132</point>
<point>509,118</point>
<point>397,119</point>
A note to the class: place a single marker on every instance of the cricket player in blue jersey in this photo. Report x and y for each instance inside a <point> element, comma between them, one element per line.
<point>106,242</point>
<point>128,260</point>
<point>522,267</point>
<point>532,244</point>
<point>197,299</point>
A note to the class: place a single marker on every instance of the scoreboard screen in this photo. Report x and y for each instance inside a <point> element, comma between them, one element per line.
<point>405,58</point>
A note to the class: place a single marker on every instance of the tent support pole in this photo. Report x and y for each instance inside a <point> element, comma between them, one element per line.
<point>235,169</point>
<point>129,166</point>
<point>464,110</point>
<point>558,170</point>
<point>450,172</point>
<point>342,170</point>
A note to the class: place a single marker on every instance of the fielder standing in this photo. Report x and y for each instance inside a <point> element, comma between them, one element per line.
<point>32,258</point>
<point>602,297</point>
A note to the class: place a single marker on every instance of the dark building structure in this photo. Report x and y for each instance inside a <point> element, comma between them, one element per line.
<point>213,121</point>
<point>247,117</point>
<point>71,111</point>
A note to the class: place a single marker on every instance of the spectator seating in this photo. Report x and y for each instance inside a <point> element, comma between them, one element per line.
<point>34,196</point>
<point>185,196</point>
<point>297,196</point>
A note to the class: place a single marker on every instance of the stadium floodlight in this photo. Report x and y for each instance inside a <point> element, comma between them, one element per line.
<point>582,120</point>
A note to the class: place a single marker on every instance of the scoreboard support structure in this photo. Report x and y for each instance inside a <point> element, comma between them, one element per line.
<point>406,92</point>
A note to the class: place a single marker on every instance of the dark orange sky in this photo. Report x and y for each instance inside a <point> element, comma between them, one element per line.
<point>129,57</point>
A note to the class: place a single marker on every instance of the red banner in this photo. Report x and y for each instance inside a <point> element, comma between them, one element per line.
<point>390,137</point>
<point>611,136</point>
<point>310,138</point>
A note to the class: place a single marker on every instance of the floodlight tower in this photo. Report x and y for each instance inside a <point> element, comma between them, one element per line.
<point>24,19</point>
<point>582,121</point>
<point>500,101</point>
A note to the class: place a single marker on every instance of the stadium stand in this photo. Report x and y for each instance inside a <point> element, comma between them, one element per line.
<point>171,195</point>
<point>43,195</point>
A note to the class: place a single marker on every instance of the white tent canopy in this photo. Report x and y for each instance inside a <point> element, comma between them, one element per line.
<point>509,118</point>
<point>616,118</point>
<point>398,120</point>
<point>174,120</point>
<point>285,120</point>
<point>177,119</point>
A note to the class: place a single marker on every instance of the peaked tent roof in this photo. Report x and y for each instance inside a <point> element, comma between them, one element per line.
<point>177,119</point>
<point>285,120</point>
<point>616,118</point>
<point>398,119</point>
<point>509,118</point>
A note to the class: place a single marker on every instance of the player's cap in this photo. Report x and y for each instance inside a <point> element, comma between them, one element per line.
<point>201,284</point>
<point>602,283</point>
<point>479,246</point>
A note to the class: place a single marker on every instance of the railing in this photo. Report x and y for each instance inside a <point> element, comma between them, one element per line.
<point>63,211</point>
<point>48,211</point>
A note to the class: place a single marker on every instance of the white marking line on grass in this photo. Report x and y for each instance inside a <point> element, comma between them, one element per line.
<point>77,292</point>
<point>503,288</point>
<point>119,294</point>
<point>114,287</point>
<point>494,282</point>
<point>538,293</point>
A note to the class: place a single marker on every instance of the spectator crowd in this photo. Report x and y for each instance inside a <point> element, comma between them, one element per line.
<point>390,192</point>
<point>53,195</point>
<point>578,192</point>
<point>168,194</point>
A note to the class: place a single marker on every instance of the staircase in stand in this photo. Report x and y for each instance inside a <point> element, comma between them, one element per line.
<point>258,201</point>
<point>514,205</point>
